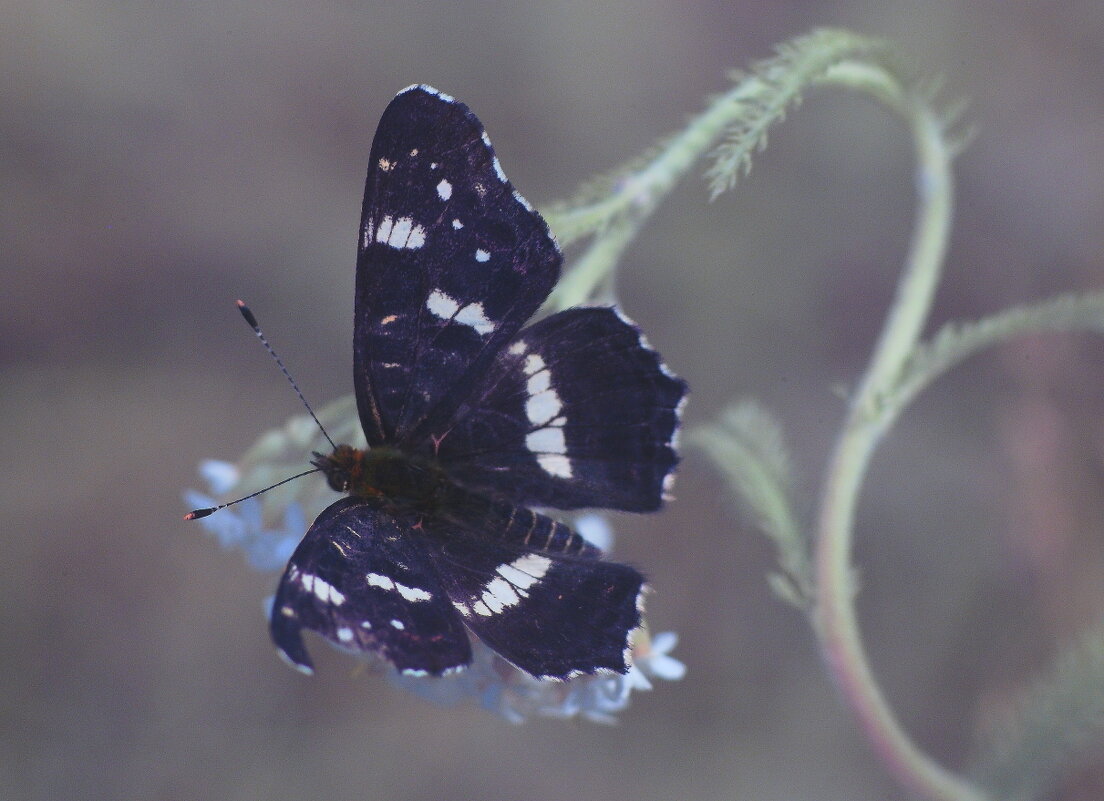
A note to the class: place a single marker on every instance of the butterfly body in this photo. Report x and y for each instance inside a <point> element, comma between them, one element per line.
<point>419,489</point>
<point>471,419</point>
<point>382,472</point>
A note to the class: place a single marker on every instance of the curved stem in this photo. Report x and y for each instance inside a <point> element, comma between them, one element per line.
<point>836,620</point>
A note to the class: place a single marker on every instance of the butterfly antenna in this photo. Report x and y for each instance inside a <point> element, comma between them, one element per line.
<point>249,318</point>
<point>195,514</point>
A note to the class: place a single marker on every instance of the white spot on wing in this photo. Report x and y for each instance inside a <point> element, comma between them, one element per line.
<point>509,586</point>
<point>482,255</point>
<point>322,590</point>
<point>474,316</point>
<point>544,402</point>
<point>386,583</point>
<point>444,190</point>
<point>532,563</point>
<point>498,594</point>
<point>548,443</point>
<point>543,406</point>
<point>345,634</point>
<point>380,580</point>
<point>546,440</point>
<point>533,363</point>
<point>442,305</point>
<point>406,234</point>
<point>380,233</point>
<point>457,225</point>
<point>517,348</point>
<point>412,593</point>
<point>539,381</point>
<point>526,571</point>
<point>555,464</point>
<point>398,624</point>
<point>386,164</point>
<point>402,233</point>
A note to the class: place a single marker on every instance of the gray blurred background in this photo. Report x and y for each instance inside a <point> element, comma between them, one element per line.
<point>160,160</point>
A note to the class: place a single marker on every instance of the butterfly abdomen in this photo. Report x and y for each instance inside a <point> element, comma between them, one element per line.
<point>512,523</point>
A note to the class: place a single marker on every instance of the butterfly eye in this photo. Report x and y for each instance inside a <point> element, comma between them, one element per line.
<point>337,473</point>
<point>338,480</point>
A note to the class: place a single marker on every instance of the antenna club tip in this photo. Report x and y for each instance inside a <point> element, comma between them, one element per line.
<point>247,314</point>
<point>198,513</point>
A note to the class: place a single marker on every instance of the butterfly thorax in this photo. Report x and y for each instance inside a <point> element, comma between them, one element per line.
<point>383,473</point>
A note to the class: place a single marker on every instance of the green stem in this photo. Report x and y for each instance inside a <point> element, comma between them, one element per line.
<point>758,101</point>
<point>635,200</point>
<point>836,620</point>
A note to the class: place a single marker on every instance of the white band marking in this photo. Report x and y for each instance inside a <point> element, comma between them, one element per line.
<point>401,234</point>
<point>386,583</point>
<point>323,590</point>
<point>472,315</point>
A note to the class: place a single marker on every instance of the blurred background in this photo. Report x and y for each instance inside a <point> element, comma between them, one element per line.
<point>160,160</point>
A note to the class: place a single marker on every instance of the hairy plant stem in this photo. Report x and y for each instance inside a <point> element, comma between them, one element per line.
<point>757,101</point>
<point>835,616</point>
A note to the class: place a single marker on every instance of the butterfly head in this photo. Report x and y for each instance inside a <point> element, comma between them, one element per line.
<point>343,467</point>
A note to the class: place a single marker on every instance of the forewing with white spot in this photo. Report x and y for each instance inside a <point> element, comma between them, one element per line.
<point>451,263</point>
<point>577,412</point>
<point>362,582</point>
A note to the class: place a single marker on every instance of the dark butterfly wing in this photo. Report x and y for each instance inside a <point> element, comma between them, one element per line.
<point>451,263</point>
<point>364,583</point>
<point>577,412</point>
<point>550,614</point>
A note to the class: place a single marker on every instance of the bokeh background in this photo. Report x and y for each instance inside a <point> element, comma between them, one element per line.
<point>159,160</point>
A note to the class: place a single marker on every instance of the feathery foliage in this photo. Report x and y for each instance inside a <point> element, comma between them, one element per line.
<point>748,446</point>
<point>1060,719</point>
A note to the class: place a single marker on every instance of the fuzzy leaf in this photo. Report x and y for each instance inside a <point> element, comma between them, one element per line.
<point>748,446</point>
<point>1059,720</point>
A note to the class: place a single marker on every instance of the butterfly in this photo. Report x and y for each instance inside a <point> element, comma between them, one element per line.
<point>471,420</point>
